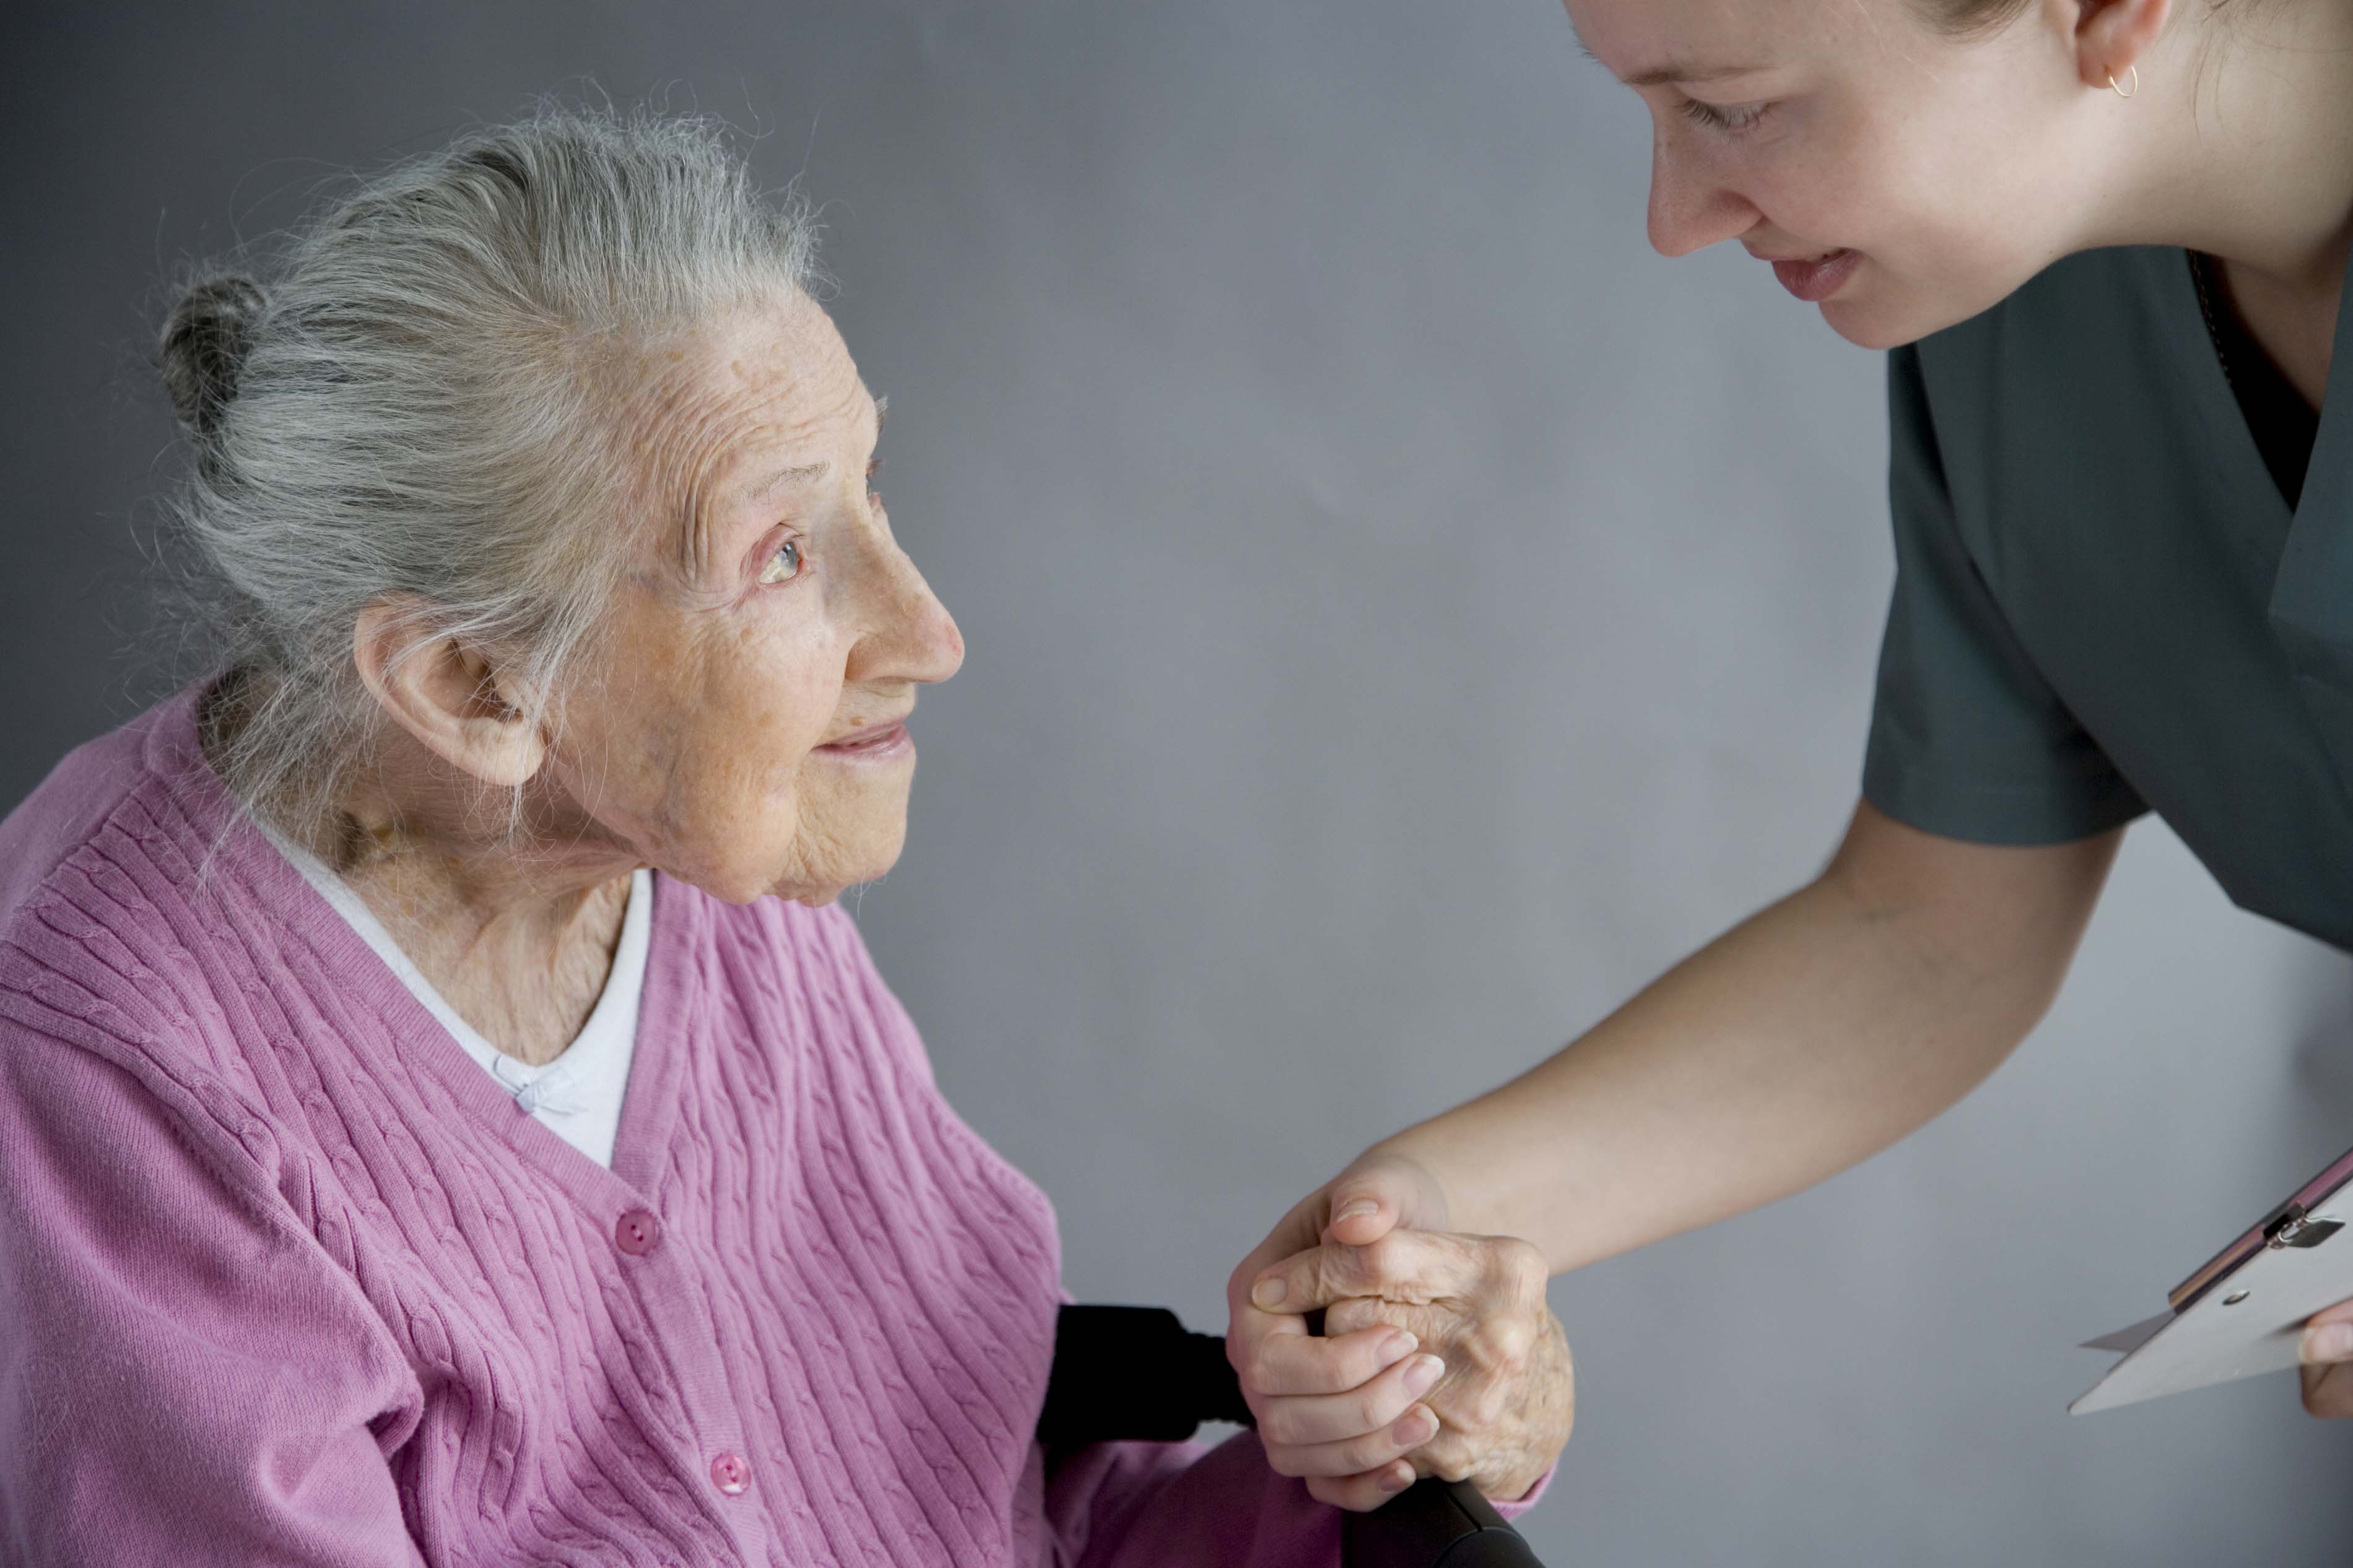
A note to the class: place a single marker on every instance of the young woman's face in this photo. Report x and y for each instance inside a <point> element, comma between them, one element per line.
<point>1899,177</point>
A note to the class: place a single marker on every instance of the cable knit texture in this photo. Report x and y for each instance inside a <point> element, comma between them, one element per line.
<point>286,1277</point>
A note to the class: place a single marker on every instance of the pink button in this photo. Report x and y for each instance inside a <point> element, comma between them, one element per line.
<point>637,1233</point>
<point>731,1474</point>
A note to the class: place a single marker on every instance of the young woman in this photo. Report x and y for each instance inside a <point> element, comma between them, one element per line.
<point>2104,241</point>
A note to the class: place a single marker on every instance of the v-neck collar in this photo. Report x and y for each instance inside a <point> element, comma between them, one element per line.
<point>668,1010</point>
<point>604,1044</point>
<point>2312,597</point>
<point>2277,416</point>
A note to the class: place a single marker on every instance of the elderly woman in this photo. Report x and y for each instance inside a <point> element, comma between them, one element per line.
<point>442,1116</point>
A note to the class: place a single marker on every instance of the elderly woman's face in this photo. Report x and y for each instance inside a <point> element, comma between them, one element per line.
<point>748,732</point>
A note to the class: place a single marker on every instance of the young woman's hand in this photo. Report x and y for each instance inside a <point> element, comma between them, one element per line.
<point>1438,1354</point>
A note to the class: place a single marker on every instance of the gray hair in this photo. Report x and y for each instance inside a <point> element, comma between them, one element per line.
<point>406,408</point>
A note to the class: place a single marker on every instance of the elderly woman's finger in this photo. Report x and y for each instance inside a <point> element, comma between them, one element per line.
<point>1414,1426</point>
<point>1288,1365</point>
<point>1400,1192</point>
<point>1502,1408</point>
<point>1403,1266</point>
<point>1363,1410</point>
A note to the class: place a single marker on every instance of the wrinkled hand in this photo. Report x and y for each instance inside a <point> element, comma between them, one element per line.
<point>1439,1355</point>
<point>2328,1353</point>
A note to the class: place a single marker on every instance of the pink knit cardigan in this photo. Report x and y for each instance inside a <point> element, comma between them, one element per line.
<point>286,1277</point>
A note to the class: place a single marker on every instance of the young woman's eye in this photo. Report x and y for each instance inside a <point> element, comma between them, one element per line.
<point>784,564</point>
<point>1731,118</point>
<point>873,496</point>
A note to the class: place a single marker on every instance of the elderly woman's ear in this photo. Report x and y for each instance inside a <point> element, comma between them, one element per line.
<point>455,701</point>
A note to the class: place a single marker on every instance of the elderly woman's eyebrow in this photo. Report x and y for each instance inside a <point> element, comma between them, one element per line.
<point>765,489</point>
<point>760,491</point>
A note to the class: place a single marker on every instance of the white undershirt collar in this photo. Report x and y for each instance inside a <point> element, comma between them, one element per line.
<point>578,1095</point>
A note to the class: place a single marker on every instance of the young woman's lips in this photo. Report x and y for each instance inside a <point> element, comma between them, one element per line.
<point>1816,281</point>
<point>881,742</point>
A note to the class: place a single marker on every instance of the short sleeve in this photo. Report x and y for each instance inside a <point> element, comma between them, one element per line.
<point>183,1378</point>
<point>1967,740</point>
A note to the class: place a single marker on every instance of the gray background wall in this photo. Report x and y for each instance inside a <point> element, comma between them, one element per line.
<point>1405,616</point>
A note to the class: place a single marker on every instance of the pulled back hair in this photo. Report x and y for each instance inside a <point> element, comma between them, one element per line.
<point>1976,19</point>
<point>405,407</point>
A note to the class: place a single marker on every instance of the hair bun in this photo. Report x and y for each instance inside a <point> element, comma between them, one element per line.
<point>204,347</point>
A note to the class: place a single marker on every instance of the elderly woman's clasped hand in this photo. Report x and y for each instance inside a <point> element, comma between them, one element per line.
<point>1437,1356</point>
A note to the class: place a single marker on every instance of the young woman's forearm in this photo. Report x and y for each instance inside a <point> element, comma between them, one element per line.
<point>1808,1037</point>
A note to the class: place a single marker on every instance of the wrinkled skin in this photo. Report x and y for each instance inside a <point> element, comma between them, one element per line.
<point>765,617</point>
<point>701,750</point>
<point>698,743</point>
<point>1374,1254</point>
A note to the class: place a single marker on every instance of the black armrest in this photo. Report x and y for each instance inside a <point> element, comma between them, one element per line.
<point>1134,1373</point>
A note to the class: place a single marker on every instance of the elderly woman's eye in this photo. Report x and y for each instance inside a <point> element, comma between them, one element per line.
<point>784,564</point>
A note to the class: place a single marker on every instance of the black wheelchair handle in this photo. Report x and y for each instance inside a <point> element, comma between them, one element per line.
<point>1134,1373</point>
<point>1433,1525</point>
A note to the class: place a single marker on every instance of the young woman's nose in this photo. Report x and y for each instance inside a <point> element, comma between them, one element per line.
<point>1689,208</point>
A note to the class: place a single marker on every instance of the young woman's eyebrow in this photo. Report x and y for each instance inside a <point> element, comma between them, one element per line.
<point>1673,71</point>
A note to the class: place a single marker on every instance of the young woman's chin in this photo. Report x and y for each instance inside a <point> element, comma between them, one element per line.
<point>1871,314</point>
<point>1869,326</point>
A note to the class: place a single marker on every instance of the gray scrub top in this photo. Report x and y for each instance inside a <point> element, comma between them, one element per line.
<point>2104,606</point>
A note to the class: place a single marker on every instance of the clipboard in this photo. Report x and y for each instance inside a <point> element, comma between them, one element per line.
<point>2242,1312</point>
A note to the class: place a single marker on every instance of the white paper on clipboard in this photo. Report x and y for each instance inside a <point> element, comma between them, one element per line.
<point>2244,1312</point>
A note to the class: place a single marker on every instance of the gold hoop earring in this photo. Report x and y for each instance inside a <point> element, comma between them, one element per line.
<point>2132,71</point>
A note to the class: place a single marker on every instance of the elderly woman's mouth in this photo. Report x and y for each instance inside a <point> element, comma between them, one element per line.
<point>875,744</point>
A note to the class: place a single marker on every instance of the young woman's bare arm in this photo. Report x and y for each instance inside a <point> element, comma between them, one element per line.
<point>1811,1034</point>
<point>1804,1040</point>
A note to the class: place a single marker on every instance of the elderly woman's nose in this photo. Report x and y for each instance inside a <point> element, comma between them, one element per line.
<point>910,636</point>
